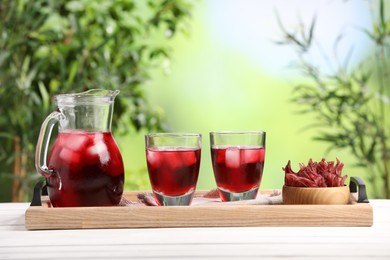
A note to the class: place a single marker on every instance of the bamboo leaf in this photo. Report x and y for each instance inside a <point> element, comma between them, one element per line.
<point>311,30</point>
<point>371,35</point>
<point>371,152</point>
<point>382,15</point>
<point>72,74</point>
<point>44,95</point>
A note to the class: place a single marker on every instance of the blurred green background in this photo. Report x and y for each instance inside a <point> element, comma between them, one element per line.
<point>229,74</point>
<point>199,66</point>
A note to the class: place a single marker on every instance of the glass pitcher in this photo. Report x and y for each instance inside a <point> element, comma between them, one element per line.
<point>84,166</point>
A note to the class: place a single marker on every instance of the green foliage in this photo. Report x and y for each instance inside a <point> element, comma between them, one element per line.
<point>59,46</point>
<point>351,108</point>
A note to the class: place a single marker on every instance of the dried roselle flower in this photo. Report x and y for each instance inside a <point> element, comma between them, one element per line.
<point>296,181</point>
<point>312,173</point>
<point>321,174</point>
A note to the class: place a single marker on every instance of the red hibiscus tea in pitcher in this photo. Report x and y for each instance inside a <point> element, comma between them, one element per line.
<point>238,168</point>
<point>173,171</point>
<point>84,167</point>
<point>88,170</point>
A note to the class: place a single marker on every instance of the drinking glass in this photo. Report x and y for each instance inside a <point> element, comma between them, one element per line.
<point>238,161</point>
<point>173,161</point>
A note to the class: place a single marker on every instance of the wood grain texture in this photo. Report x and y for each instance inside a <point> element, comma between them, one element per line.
<point>201,216</point>
<point>325,196</point>
<point>243,243</point>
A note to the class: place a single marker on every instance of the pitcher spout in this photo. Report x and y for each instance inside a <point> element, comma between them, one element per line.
<point>99,92</point>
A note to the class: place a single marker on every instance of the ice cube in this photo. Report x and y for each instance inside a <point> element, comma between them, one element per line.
<point>173,159</point>
<point>218,155</point>
<point>76,142</point>
<point>70,157</point>
<point>153,159</point>
<point>232,157</point>
<point>250,155</point>
<point>188,157</point>
<point>99,150</point>
<point>175,163</point>
<point>262,154</point>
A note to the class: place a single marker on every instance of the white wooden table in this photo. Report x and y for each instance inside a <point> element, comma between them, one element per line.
<point>195,243</point>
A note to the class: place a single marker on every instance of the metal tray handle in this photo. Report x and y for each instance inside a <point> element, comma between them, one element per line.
<point>357,185</point>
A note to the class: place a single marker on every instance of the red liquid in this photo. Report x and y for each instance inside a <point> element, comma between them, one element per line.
<point>173,171</point>
<point>238,169</point>
<point>89,170</point>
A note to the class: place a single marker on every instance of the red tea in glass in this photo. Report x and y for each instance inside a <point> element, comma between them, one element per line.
<point>173,172</point>
<point>173,162</point>
<point>88,170</point>
<point>238,162</point>
<point>238,169</point>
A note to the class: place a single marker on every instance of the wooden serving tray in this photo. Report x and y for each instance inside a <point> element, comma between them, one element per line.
<point>46,217</point>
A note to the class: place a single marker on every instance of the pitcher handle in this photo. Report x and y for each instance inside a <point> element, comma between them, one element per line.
<point>43,143</point>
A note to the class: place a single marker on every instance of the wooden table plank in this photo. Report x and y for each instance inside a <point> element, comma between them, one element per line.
<point>196,243</point>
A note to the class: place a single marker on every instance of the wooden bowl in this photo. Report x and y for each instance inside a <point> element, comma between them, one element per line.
<point>304,195</point>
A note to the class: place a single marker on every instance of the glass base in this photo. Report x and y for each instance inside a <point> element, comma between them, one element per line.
<point>165,200</point>
<point>233,196</point>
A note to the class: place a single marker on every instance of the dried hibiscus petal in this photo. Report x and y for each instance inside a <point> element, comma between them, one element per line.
<point>321,174</point>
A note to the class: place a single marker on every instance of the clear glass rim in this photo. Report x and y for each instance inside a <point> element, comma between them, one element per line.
<point>173,134</point>
<point>234,132</point>
<point>89,96</point>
